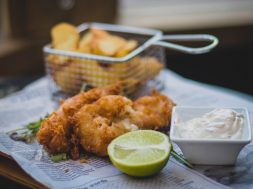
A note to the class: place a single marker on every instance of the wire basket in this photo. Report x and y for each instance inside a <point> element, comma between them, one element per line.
<point>68,72</point>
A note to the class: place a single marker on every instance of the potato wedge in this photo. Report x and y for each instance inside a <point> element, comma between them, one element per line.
<point>109,46</point>
<point>65,37</point>
<point>152,67</point>
<point>68,78</point>
<point>85,43</point>
<point>98,33</point>
<point>130,45</point>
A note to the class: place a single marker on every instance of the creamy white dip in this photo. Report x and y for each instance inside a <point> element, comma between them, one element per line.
<point>217,124</point>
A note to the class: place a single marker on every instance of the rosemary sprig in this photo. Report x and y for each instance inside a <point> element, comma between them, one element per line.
<point>27,133</point>
<point>181,159</point>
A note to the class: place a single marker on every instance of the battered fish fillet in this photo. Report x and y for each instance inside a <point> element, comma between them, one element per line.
<point>97,124</point>
<point>56,132</point>
<point>154,111</point>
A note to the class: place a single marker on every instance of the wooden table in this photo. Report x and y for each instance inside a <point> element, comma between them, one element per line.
<point>10,171</point>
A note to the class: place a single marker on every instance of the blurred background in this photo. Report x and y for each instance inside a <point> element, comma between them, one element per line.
<point>25,28</point>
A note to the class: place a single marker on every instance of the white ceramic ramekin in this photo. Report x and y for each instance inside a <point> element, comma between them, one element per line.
<point>209,151</point>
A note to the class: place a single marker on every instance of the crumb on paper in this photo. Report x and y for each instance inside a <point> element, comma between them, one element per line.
<point>83,160</point>
<point>66,170</point>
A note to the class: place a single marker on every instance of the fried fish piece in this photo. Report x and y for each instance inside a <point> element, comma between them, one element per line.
<point>99,123</point>
<point>154,111</point>
<point>56,132</point>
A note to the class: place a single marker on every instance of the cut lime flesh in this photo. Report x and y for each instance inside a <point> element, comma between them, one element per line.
<point>140,153</point>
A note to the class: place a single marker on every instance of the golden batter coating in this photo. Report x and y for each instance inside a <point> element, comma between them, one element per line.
<point>56,132</point>
<point>91,120</point>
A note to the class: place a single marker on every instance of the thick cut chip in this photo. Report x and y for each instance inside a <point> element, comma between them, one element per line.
<point>109,46</point>
<point>68,78</point>
<point>95,41</point>
<point>97,33</point>
<point>152,67</point>
<point>130,45</point>
<point>65,37</point>
<point>85,43</point>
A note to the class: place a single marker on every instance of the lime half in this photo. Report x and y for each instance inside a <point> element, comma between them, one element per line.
<point>140,153</point>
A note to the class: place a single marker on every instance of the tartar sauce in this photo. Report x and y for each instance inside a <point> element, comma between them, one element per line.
<point>217,124</point>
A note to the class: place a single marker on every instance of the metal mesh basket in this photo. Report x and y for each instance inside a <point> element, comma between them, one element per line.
<point>69,71</point>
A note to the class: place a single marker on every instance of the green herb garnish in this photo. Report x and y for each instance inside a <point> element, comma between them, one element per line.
<point>27,133</point>
<point>59,157</point>
<point>181,159</point>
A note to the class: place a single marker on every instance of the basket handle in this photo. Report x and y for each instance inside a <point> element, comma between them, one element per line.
<point>188,37</point>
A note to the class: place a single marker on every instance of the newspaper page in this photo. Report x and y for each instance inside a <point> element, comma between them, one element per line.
<point>35,101</point>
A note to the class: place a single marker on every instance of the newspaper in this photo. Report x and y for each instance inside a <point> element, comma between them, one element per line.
<point>35,101</point>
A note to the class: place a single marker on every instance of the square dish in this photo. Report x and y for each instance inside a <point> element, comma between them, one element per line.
<point>209,151</point>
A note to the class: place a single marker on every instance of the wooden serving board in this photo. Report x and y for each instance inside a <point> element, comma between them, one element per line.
<point>11,170</point>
